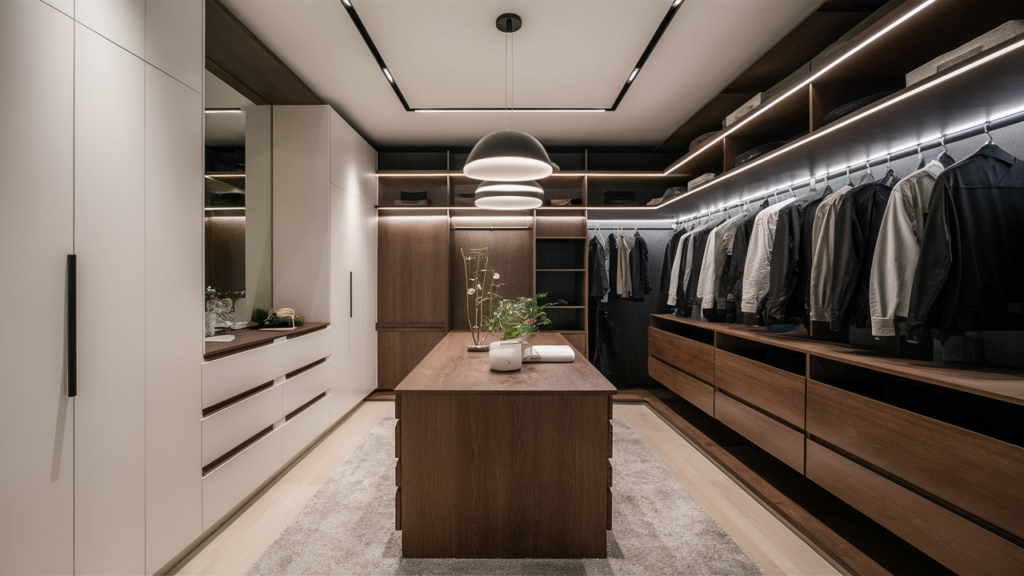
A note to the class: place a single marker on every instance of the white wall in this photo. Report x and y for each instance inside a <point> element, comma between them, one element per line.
<point>259,280</point>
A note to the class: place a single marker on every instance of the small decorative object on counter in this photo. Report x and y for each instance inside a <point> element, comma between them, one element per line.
<point>518,319</point>
<point>481,287</point>
<point>506,356</point>
<point>211,316</point>
<point>259,316</point>
<point>280,319</point>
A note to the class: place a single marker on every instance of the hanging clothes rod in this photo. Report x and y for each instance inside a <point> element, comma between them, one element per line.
<point>632,224</point>
<point>883,160</point>
<point>492,228</point>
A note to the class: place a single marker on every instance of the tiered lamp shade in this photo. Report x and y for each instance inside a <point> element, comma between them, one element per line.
<point>508,156</point>
<point>509,195</point>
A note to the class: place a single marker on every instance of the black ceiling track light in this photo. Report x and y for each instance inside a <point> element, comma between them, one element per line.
<point>622,93</point>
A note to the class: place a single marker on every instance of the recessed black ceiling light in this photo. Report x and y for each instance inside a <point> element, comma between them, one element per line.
<point>622,93</point>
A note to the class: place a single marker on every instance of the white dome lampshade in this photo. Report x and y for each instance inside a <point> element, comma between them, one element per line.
<point>509,195</point>
<point>508,156</point>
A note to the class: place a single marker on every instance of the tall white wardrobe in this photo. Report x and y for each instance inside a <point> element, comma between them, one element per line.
<point>101,129</point>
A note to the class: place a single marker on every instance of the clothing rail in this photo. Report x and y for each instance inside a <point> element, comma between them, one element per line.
<point>883,160</point>
<point>632,224</point>
<point>492,228</point>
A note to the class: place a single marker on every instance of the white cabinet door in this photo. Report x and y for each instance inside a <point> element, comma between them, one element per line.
<point>110,240</point>
<point>344,154</point>
<point>36,235</point>
<point>368,172</point>
<point>174,317</point>
<point>122,22</point>
<point>346,360</point>
<point>174,39</point>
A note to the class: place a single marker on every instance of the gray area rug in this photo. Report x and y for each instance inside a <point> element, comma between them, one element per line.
<point>348,527</point>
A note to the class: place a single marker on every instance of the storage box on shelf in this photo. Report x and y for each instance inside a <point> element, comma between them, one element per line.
<point>931,451</point>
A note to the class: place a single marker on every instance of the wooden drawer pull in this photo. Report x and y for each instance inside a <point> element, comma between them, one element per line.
<point>398,474</point>
<point>609,525</point>
<point>398,509</point>
<point>398,439</point>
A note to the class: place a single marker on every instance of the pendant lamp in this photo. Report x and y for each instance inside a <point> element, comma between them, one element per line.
<point>508,156</point>
<point>509,195</point>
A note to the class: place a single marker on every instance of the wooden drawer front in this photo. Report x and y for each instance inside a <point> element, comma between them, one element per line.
<point>974,472</point>
<point>230,376</point>
<point>688,355</point>
<point>775,391</point>
<point>304,387</point>
<point>227,428</point>
<point>305,427</point>
<point>961,545</point>
<point>692,390</point>
<point>774,437</point>
<point>232,482</point>
<point>305,349</point>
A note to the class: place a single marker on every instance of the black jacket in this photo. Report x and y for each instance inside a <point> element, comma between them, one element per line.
<point>700,242</point>
<point>639,268</point>
<point>670,258</point>
<point>599,285</point>
<point>969,275</point>
<point>787,260</point>
<point>613,266</point>
<point>858,220</point>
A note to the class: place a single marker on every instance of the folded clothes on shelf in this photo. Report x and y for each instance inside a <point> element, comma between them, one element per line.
<point>703,138</point>
<point>412,196</point>
<point>700,180</point>
<point>851,107</point>
<point>412,202</point>
<point>668,195</point>
<point>620,198</point>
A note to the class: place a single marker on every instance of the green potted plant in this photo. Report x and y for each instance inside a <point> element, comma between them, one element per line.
<point>518,319</point>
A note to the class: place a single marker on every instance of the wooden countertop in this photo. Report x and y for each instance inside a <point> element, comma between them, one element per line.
<point>1005,384</point>
<point>451,368</point>
<point>246,339</point>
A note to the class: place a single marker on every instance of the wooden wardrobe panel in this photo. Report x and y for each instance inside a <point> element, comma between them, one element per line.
<point>510,253</point>
<point>412,271</point>
<point>398,352</point>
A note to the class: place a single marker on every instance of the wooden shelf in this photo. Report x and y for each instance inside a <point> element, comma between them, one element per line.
<point>561,270</point>
<point>567,307</point>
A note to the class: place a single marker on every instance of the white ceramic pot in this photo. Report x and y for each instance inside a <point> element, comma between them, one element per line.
<point>506,356</point>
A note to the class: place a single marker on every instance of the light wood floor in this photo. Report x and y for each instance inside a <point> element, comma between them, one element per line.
<point>773,545</point>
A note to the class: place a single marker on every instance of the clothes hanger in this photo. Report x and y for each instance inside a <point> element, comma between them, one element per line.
<point>920,158</point>
<point>944,158</point>
<point>889,172</point>
<point>849,179</point>
<point>868,175</point>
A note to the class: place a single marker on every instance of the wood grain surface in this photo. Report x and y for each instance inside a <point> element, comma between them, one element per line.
<point>412,271</point>
<point>775,391</point>
<point>688,355</point>
<point>953,540</point>
<point>504,476</point>
<point>700,394</point>
<point>973,472</point>
<point>774,437</point>
<point>450,368</point>
<point>399,351</point>
<point>246,339</point>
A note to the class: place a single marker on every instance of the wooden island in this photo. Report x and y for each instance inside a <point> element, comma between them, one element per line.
<point>503,464</point>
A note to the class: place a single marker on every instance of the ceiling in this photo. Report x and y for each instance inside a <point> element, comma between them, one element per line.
<point>569,53</point>
<point>224,129</point>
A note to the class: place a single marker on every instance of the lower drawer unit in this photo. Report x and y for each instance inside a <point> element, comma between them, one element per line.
<point>771,389</point>
<point>303,387</point>
<point>305,349</point>
<point>956,542</point>
<point>971,471</point>
<point>228,377</point>
<point>226,429</point>
<point>696,358</point>
<point>300,430</point>
<point>773,436</point>
<point>700,394</point>
<point>236,479</point>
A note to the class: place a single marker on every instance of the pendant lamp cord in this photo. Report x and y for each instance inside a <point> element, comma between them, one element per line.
<point>506,81</point>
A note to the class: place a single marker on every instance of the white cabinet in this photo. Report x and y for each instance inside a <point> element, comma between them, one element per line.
<point>302,197</point>
<point>110,240</point>
<point>122,22</point>
<point>346,157</point>
<point>174,39</point>
<point>36,235</point>
<point>174,339</point>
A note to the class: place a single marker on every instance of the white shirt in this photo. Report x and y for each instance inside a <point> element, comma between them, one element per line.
<point>714,259</point>
<point>822,249</point>
<point>898,248</point>
<point>757,269</point>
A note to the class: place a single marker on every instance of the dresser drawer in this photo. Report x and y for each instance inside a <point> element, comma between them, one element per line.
<point>692,390</point>
<point>235,480</point>
<point>305,427</point>
<point>775,391</point>
<point>303,387</point>
<point>690,356</point>
<point>305,349</point>
<point>774,437</point>
<point>226,429</point>
<point>956,542</point>
<point>232,375</point>
<point>976,473</point>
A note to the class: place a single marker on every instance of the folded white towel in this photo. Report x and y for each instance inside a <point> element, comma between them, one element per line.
<point>550,354</point>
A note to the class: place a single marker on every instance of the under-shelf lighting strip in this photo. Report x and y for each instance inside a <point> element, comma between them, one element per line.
<point>624,225</point>
<point>803,84</point>
<point>838,125</point>
<point>882,160</point>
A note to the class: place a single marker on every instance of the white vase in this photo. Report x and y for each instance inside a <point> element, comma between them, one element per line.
<point>506,356</point>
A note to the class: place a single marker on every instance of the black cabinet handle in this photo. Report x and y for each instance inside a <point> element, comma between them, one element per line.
<point>72,327</point>
<point>350,294</point>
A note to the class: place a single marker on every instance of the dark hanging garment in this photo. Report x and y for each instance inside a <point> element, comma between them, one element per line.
<point>602,339</point>
<point>613,266</point>
<point>639,268</point>
<point>732,282</point>
<point>969,275</point>
<point>700,243</point>
<point>670,258</point>
<point>790,266</point>
<point>599,285</point>
<point>802,293</point>
<point>858,220</point>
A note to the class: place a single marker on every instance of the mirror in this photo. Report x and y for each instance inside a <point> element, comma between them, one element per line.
<point>238,248</point>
